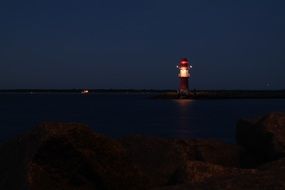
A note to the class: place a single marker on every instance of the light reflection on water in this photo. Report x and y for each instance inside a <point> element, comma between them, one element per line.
<point>183,103</point>
<point>184,117</point>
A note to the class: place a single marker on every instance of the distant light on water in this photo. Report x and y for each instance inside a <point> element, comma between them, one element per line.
<point>183,102</point>
<point>85,92</point>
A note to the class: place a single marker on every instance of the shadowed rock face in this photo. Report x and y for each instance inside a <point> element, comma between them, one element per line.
<point>263,139</point>
<point>198,172</point>
<point>58,156</point>
<point>157,159</point>
<point>268,177</point>
<point>67,156</point>
<point>211,151</point>
<point>162,160</point>
<point>71,156</point>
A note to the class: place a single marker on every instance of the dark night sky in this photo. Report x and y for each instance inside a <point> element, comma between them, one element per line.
<point>232,44</point>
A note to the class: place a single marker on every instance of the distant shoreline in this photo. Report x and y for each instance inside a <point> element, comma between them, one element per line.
<point>226,94</point>
<point>80,90</point>
<point>163,94</point>
<point>130,90</point>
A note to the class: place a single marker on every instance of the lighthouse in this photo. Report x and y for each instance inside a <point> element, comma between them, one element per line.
<point>184,75</point>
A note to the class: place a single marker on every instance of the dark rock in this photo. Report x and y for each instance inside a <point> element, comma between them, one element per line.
<point>59,156</point>
<point>210,177</point>
<point>156,159</point>
<point>65,156</point>
<point>263,139</point>
<point>12,166</point>
<point>163,161</point>
<point>197,172</point>
<point>211,151</point>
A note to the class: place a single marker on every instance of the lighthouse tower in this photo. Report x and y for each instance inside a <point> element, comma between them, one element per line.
<point>184,75</point>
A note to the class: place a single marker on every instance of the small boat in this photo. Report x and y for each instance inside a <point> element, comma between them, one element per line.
<point>85,92</point>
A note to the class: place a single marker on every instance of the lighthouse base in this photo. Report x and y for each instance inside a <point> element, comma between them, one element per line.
<point>183,92</point>
<point>183,87</point>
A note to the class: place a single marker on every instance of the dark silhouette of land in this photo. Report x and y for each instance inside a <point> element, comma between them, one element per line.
<point>223,94</point>
<point>164,94</point>
<point>28,91</point>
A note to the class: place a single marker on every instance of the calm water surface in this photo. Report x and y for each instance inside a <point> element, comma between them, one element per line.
<point>121,115</point>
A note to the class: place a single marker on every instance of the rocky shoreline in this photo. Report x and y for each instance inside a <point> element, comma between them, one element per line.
<point>68,156</point>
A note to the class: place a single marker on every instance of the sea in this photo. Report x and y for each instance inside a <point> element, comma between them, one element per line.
<point>119,115</point>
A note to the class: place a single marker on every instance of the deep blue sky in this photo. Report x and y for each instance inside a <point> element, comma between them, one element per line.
<point>232,44</point>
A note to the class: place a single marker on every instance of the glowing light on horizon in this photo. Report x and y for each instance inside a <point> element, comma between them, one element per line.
<point>85,92</point>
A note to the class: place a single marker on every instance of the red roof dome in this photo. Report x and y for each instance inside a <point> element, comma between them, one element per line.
<point>184,62</point>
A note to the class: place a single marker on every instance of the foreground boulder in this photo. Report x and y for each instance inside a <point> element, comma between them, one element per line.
<point>263,139</point>
<point>267,177</point>
<point>157,159</point>
<point>72,156</point>
<point>211,151</point>
<point>197,172</point>
<point>65,156</point>
<point>59,156</point>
